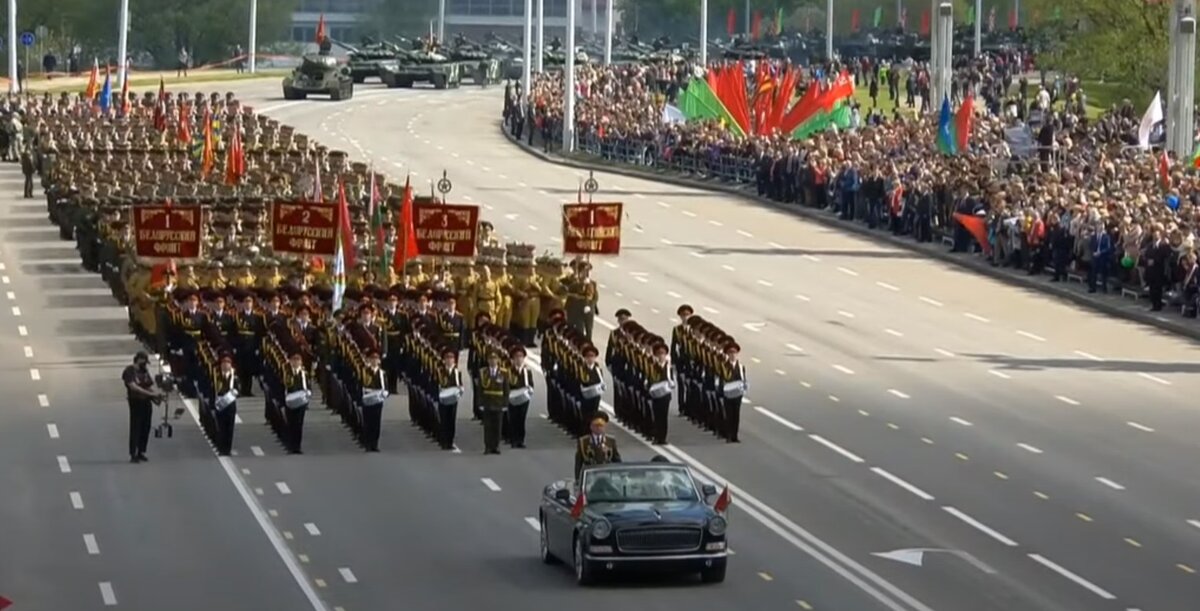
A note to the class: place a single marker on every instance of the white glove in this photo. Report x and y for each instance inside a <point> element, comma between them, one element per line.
<point>587,309</point>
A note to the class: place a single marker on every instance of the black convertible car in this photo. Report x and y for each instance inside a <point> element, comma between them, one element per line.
<point>635,516</point>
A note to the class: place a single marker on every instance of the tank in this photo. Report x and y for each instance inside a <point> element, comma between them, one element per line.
<point>421,66</point>
<point>366,59</point>
<point>475,62</point>
<point>321,75</point>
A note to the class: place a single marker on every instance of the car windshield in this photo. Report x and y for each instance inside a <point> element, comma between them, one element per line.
<point>639,485</point>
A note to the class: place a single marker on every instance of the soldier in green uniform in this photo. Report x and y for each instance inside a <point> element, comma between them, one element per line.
<point>582,298</point>
<point>494,386</point>
<point>596,447</point>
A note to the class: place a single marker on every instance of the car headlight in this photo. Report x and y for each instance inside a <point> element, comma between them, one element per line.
<point>601,529</point>
<point>717,526</point>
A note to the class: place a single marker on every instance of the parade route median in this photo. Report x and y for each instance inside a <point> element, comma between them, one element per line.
<point>1112,304</point>
<point>145,80</point>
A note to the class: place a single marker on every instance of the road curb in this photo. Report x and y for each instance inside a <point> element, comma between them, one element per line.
<point>1038,283</point>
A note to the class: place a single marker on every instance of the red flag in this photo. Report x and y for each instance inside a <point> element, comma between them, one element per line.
<point>321,29</point>
<point>93,84</point>
<point>925,23</point>
<point>897,205</point>
<point>160,107</point>
<point>577,508</point>
<point>124,110</point>
<point>209,154</point>
<point>723,501</point>
<point>977,227</point>
<point>184,128</point>
<point>1012,19</point>
<point>855,15</point>
<point>731,22</point>
<point>348,249</point>
<point>5,603</point>
<point>235,158</point>
<point>962,123</point>
<point>756,25</point>
<point>406,240</point>
<point>1164,169</point>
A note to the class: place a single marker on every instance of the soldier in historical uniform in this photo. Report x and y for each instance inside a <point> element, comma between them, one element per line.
<point>596,447</point>
<point>494,387</point>
<point>582,298</point>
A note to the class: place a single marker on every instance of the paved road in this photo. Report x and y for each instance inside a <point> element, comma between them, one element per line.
<point>895,404</point>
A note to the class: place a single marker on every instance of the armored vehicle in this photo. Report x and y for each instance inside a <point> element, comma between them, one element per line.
<point>366,59</point>
<point>475,61</point>
<point>421,65</point>
<point>319,74</point>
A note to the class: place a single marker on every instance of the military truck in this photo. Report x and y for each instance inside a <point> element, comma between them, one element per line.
<point>420,64</point>
<point>319,74</point>
<point>475,62</point>
<point>366,59</point>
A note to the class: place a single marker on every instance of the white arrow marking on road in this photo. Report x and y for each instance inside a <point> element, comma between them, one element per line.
<point>491,484</point>
<point>915,557</point>
<point>754,326</point>
<point>76,500</point>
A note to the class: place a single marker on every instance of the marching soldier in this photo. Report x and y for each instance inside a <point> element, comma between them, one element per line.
<point>450,389</point>
<point>595,448</point>
<point>660,385</point>
<point>520,396</point>
<point>226,393</point>
<point>582,299</point>
<point>297,393</point>
<point>591,384</point>
<point>680,358</point>
<point>494,387</point>
<point>374,396</point>
<point>733,388</point>
<point>615,359</point>
<point>395,326</point>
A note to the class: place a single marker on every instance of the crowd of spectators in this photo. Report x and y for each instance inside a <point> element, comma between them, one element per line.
<point>1059,194</point>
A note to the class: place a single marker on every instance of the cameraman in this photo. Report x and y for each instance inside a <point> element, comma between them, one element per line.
<point>142,395</point>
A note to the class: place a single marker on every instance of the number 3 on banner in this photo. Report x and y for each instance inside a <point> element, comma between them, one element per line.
<point>445,220</point>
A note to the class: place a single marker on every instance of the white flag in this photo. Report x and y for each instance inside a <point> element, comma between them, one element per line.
<point>1153,116</point>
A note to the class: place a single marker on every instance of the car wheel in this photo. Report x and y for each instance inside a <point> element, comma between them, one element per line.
<point>715,574</point>
<point>583,569</point>
<point>544,544</point>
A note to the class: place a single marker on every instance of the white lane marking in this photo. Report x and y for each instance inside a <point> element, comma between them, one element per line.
<point>1088,356</point>
<point>780,372</point>
<point>237,419</point>
<point>52,429</point>
<point>689,213</point>
<point>958,420</point>
<point>803,298</point>
<point>976,317</point>
<point>925,496</point>
<point>639,196</point>
<point>745,234</point>
<point>1087,585</point>
<point>711,310</point>
<point>606,324</point>
<point>1029,448</point>
<point>16,311</point>
<point>107,595</point>
<point>257,451</point>
<point>89,541</point>
<point>491,484</point>
<point>980,526</point>
<point>716,223</point>
<point>312,529</point>
<point>728,268</point>
<point>666,242</point>
<point>813,258</point>
<point>5,279</point>
<point>696,254</point>
<point>776,245</point>
<point>847,271</point>
<point>610,264</point>
<point>777,418</point>
<point>834,399</point>
<point>43,401</point>
<point>264,522</point>
<point>662,204</point>
<point>28,352</point>
<point>932,302</point>
<point>673,295</point>
<point>1154,378</point>
<point>765,283</point>
<point>1195,523</point>
<point>283,488</point>
<point>11,296</point>
<point>1067,400</point>
<point>898,393</point>
<point>794,348</point>
<point>22,331</point>
<point>35,375</point>
<point>64,465</point>
<point>641,279</point>
<point>1000,374</point>
<point>893,332</point>
<point>398,164</point>
<point>348,575</point>
<point>1140,427</point>
<point>836,448</point>
<point>500,176</point>
<point>76,500</point>
<point>533,523</point>
<point>1110,483</point>
<point>890,287</point>
<point>845,314</point>
<point>943,352</point>
<point>1032,336</point>
<point>455,449</point>
<point>3,267</point>
<point>533,228</point>
<point>844,369</point>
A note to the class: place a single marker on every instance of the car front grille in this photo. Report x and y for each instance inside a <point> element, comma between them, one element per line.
<point>659,540</point>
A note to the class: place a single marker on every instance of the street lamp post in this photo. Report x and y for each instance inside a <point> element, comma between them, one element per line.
<point>829,30</point>
<point>978,28</point>
<point>568,128</point>
<point>541,34</point>
<point>122,43</point>
<point>704,33</point>
<point>528,44</point>
<point>252,53</point>
<point>608,31</point>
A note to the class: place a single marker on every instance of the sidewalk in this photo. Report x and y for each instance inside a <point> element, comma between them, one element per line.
<point>147,79</point>
<point>1126,305</point>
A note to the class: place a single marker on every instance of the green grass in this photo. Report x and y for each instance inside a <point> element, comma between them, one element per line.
<point>144,82</point>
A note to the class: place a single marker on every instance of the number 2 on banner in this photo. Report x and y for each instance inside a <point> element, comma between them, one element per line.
<point>304,216</point>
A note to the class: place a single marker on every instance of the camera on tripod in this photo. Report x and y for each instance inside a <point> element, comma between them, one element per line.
<point>165,382</point>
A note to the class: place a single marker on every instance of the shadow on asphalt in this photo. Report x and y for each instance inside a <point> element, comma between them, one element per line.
<point>1004,361</point>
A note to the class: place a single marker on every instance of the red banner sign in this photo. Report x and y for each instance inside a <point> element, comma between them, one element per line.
<point>305,228</point>
<point>167,232</point>
<point>592,229</point>
<point>445,230</point>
